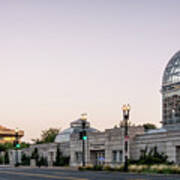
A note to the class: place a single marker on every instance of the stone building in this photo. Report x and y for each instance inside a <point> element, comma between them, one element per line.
<point>62,141</point>
<point>171,94</point>
<point>107,147</point>
<point>103,147</point>
<point>167,138</point>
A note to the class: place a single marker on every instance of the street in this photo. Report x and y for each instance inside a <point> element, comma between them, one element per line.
<point>69,174</point>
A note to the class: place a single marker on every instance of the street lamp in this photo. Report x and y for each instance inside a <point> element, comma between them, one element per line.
<point>126,110</point>
<point>84,136</point>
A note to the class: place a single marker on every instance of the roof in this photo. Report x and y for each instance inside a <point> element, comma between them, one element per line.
<point>152,131</point>
<point>7,131</point>
<point>64,136</point>
<point>172,70</point>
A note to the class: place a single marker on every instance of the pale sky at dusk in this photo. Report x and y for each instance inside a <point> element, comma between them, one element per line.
<point>60,58</point>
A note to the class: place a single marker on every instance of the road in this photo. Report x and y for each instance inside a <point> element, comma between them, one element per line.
<point>69,174</point>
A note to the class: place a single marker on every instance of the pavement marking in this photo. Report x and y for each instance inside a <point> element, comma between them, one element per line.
<point>138,179</point>
<point>42,175</point>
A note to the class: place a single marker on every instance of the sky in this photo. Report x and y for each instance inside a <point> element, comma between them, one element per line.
<point>60,58</point>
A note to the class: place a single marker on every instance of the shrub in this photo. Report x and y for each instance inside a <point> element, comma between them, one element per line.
<point>81,168</point>
<point>6,158</point>
<point>35,155</point>
<point>60,159</point>
<point>108,168</point>
<point>1,159</point>
<point>98,167</point>
<point>89,167</point>
<point>119,168</point>
<point>151,157</point>
<point>42,162</point>
<point>138,168</point>
<point>25,160</point>
<point>162,169</point>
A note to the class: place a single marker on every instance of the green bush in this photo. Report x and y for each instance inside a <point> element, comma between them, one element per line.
<point>151,157</point>
<point>160,169</point>
<point>89,167</point>
<point>42,162</point>
<point>25,160</point>
<point>108,168</point>
<point>1,159</point>
<point>60,159</point>
<point>81,168</point>
<point>35,155</point>
<point>6,158</point>
<point>98,167</point>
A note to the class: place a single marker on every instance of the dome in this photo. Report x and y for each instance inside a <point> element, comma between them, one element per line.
<point>172,71</point>
<point>65,135</point>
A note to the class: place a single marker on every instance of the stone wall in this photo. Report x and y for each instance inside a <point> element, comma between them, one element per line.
<point>48,151</point>
<point>166,142</point>
<point>103,147</point>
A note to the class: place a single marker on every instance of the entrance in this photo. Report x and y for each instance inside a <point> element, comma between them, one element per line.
<point>97,157</point>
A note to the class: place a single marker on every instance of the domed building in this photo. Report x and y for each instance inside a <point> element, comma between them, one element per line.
<point>167,138</point>
<point>75,128</point>
<point>107,147</point>
<point>171,94</point>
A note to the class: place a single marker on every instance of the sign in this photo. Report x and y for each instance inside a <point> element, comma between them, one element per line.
<point>126,138</point>
<point>101,159</point>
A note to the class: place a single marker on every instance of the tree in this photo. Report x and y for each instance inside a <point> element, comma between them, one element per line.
<point>47,136</point>
<point>25,160</point>
<point>58,157</point>
<point>24,145</point>
<point>149,126</point>
<point>37,141</point>
<point>43,161</point>
<point>35,155</point>
<point>6,146</point>
<point>6,158</point>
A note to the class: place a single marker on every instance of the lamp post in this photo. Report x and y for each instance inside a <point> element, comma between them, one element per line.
<point>126,110</point>
<point>84,137</point>
<point>16,144</point>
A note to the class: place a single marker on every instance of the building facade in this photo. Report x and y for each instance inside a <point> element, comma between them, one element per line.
<point>104,147</point>
<point>171,94</point>
<point>9,135</point>
<point>107,147</point>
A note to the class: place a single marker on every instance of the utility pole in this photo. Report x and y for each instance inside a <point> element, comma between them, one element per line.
<point>126,110</point>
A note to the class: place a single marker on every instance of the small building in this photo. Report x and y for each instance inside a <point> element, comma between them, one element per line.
<point>62,141</point>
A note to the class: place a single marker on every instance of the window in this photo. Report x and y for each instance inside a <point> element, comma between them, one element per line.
<point>120,156</point>
<point>78,156</point>
<point>117,156</point>
<point>114,156</point>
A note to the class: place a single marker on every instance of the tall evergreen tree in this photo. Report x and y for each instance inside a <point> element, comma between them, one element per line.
<point>6,158</point>
<point>35,155</point>
<point>58,157</point>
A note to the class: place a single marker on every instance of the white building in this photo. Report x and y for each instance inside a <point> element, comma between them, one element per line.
<point>108,147</point>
